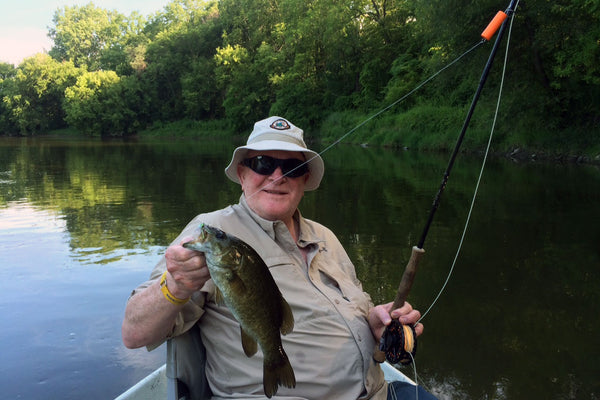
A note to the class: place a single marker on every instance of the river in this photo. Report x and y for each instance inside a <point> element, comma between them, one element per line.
<point>82,222</point>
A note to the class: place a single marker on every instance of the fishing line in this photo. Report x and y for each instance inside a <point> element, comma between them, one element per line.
<point>416,382</point>
<point>414,364</point>
<point>375,115</point>
<point>487,150</point>
<point>418,250</point>
<point>419,86</point>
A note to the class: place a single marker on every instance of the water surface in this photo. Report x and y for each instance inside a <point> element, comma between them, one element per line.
<point>83,222</point>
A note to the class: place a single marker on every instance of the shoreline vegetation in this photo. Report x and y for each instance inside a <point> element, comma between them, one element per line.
<point>213,67</point>
<point>369,135</point>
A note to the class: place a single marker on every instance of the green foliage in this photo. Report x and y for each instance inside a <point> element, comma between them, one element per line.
<point>242,85</point>
<point>319,63</point>
<point>198,90</point>
<point>569,57</point>
<point>93,37</point>
<point>188,128</point>
<point>32,98</point>
<point>7,73</point>
<point>84,104</point>
<point>249,59</point>
<point>387,36</point>
<point>103,104</point>
<point>421,127</point>
<point>180,78</point>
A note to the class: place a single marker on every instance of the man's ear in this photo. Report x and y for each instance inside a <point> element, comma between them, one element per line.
<point>240,174</point>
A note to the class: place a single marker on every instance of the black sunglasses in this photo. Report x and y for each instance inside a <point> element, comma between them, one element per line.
<point>266,165</point>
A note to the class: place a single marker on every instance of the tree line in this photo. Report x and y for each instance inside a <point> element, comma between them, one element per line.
<point>317,62</point>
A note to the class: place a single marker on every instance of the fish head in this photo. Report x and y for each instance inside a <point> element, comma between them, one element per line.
<point>219,248</point>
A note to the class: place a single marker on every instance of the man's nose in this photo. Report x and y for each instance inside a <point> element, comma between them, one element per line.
<point>278,173</point>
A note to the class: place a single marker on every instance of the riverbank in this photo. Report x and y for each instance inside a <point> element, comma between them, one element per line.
<point>413,130</point>
<point>521,155</point>
<point>426,128</point>
<point>408,131</point>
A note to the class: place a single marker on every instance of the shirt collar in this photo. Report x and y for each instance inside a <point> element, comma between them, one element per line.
<point>307,233</point>
<point>266,225</point>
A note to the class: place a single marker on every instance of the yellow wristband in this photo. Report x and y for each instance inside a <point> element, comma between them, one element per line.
<point>168,295</point>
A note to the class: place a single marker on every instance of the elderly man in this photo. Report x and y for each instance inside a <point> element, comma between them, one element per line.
<point>336,327</point>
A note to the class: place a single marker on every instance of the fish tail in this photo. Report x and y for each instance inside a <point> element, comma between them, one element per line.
<point>278,372</point>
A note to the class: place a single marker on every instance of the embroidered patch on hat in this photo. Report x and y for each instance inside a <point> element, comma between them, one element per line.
<point>280,125</point>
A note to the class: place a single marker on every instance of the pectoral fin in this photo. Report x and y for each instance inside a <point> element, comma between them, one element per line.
<point>233,286</point>
<point>248,343</point>
<point>219,299</point>
<point>287,323</point>
<point>236,284</point>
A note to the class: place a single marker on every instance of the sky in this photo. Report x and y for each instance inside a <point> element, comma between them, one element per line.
<point>24,23</point>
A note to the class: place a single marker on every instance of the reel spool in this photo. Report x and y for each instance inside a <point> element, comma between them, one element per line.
<point>398,343</point>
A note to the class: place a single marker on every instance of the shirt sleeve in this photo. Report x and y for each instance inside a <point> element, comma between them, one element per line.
<point>193,310</point>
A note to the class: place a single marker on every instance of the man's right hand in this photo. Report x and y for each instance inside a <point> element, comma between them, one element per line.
<point>187,270</point>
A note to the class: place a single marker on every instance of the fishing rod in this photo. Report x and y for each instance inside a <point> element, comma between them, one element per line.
<point>398,342</point>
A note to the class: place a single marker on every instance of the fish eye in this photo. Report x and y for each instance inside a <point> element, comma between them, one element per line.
<point>220,234</point>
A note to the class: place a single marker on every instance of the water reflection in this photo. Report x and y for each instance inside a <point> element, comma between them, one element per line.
<point>83,222</point>
<point>24,216</point>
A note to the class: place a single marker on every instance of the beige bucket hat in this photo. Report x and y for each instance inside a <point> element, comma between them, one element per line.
<point>276,133</point>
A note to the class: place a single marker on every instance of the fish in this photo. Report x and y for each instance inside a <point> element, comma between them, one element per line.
<point>245,285</point>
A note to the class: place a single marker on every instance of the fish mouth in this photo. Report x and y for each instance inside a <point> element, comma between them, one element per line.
<point>204,230</point>
<point>207,230</point>
<point>202,236</point>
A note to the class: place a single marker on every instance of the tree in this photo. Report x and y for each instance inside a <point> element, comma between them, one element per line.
<point>93,37</point>
<point>86,102</point>
<point>564,40</point>
<point>305,59</point>
<point>104,104</point>
<point>252,30</point>
<point>7,72</point>
<point>390,51</point>
<point>34,96</point>
<point>199,91</point>
<point>322,44</point>
<point>180,77</point>
<point>245,86</point>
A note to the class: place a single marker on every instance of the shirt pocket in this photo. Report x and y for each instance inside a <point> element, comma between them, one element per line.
<point>336,279</point>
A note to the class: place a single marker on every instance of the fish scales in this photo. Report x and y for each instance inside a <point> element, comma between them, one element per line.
<point>246,286</point>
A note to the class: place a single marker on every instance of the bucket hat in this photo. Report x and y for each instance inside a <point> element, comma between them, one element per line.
<point>276,133</point>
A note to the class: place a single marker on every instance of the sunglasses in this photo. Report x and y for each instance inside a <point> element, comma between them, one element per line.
<point>265,165</point>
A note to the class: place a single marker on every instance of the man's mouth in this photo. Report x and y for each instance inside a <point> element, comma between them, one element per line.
<point>275,192</point>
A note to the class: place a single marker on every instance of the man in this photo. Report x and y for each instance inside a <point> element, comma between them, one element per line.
<point>336,327</point>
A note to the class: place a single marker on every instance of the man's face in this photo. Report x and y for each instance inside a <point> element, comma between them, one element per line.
<point>273,197</point>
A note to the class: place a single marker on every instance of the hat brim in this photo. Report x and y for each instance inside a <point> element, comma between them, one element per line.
<point>316,166</point>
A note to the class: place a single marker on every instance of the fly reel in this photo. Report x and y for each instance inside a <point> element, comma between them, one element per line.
<point>398,344</point>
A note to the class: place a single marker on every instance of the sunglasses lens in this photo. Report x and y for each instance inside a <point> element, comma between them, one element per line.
<point>260,165</point>
<point>266,165</point>
<point>294,168</point>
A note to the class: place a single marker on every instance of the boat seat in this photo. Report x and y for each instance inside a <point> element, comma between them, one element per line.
<point>186,358</point>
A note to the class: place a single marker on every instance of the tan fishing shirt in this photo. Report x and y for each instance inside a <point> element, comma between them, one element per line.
<point>331,346</point>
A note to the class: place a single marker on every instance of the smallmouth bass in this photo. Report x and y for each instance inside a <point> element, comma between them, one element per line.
<point>246,286</point>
